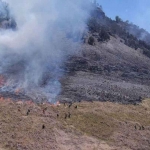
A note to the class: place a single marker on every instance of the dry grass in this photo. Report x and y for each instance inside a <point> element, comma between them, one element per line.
<point>107,115</point>
<point>89,123</point>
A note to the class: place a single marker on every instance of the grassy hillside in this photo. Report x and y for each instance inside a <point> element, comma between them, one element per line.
<point>93,126</point>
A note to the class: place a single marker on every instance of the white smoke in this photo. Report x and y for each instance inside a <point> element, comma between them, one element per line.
<point>47,32</point>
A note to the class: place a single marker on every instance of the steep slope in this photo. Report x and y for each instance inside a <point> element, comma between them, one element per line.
<point>107,71</point>
<point>133,36</point>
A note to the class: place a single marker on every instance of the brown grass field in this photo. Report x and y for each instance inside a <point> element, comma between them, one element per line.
<point>91,126</point>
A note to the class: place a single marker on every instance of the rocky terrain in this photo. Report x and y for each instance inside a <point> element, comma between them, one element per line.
<point>107,71</point>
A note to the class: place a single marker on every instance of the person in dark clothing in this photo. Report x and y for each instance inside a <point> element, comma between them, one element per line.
<point>44,110</point>
<point>69,115</point>
<point>135,127</point>
<point>70,105</point>
<point>65,116</point>
<point>28,112</point>
<point>76,107</point>
<point>43,127</point>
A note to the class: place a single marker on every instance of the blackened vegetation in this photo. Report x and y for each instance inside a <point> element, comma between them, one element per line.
<point>103,35</point>
<point>14,96</point>
<point>108,70</point>
<point>132,35</point>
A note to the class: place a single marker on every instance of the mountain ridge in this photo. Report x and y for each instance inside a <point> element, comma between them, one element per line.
<point>106,61</point>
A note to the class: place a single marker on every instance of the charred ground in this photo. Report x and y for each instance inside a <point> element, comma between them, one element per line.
<point>113,63</point>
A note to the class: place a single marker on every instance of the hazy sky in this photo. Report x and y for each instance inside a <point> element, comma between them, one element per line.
<point>136,11</point>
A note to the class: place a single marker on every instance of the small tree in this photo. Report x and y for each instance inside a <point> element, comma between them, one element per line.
<point>103,35</point>
<point>118,19</point>
<point>91,40</point>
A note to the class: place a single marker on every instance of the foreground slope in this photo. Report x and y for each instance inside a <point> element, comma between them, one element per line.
<point>91,126</point>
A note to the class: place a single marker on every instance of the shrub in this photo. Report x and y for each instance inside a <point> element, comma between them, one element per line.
<point>118,19</point>
<point>146,52</point>
<point>91,40</point>
<point>103,35</point>
<point>93,25</point>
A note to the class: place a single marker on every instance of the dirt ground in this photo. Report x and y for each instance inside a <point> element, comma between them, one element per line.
<point>80,126</point>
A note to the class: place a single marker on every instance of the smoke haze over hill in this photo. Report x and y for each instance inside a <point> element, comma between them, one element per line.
<point>32,55</point>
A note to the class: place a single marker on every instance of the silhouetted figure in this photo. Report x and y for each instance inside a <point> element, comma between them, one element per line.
<point>28,112</point>
<point>69,115</point>
<point>70,105</point>
<point>44,110</point>
<point>65,116</point>
<point>143,128</point>
<point>76,107</point>
<point>57,115</point>
<point>135,127</point>
<point>43,127</point>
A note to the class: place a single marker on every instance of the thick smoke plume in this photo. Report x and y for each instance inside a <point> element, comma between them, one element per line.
<point>32,54</point>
